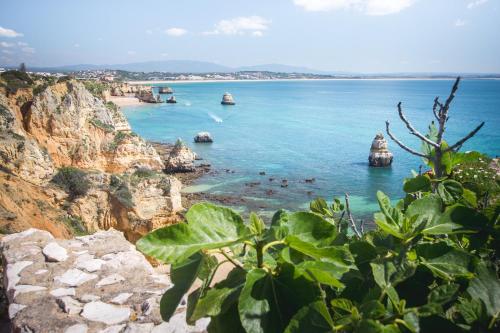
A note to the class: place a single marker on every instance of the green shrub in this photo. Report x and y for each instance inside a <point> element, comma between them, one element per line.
<point>14,80</point>
<point>144,173</point>
<point>121,191</point>
<point>98,123</point>
<point>65,78</point>
<point>95,88</point>
<point>75,224</point>
<point>73,180</point>
<point>112,106</point>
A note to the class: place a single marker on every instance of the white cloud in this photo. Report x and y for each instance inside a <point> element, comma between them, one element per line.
<point>4,32</point>
<point>460,23</point>
<point>76,45</point>
<point>149,32</point>
<point>7,52</point>
<point>176,32</point>
<point>22,44</point>
<point>254,25</point>
<point>28,49</point>
<point>164,54</point>
<point>131,53</point>
<point>5,44</point>
<point>368,7</point>
<point>476,3</point>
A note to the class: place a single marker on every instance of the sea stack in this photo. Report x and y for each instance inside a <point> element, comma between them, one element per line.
<point>172,100</point>
<point>227,99</point>
<point>380,156</point>
<point>203,137</point>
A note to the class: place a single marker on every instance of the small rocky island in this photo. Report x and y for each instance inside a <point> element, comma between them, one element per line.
<point>227,99</point>
<point>172,100</point>
<point>203,137</point>
<point>165,90</point>
<point>380,156</point>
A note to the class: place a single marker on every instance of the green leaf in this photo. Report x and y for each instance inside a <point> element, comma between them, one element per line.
<point>420,183</point>
<point>208,227</point>
<point>372,309</point>
<point>220,297</point>
<point>311,228</point>
<point>393,215</point>
<point>387,225</point>
<point>444,261</point>
<point>443,294</point>
<point>470,197</point>
<point>258,307</point>
<point>313,317</point>
<point>227,322</point>
<point>321,272</point>
<point>486,287</point>
<point>427,209</point>
<point>450,191</point>
<point>256,226</point>
<point>472,310</point>
<point>183,276</point>
<point>411,322</point>
<point>319,206</point>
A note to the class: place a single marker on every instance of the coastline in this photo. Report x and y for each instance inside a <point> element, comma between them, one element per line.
<point>285,80</point>
<point>122,101</point>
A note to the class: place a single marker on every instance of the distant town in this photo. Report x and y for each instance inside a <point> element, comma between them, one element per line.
<point>130,76</point>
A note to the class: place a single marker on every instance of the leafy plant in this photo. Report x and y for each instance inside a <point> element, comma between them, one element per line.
<point>73,180</point>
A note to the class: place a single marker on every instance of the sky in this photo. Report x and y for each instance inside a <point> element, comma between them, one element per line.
<point>367,36</point>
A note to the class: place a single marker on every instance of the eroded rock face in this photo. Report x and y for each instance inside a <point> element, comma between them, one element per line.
<point>180,159</point>
<point>65,125</point>
<point>122,295</point>
<point>379,156</point>
<point>203,137</point>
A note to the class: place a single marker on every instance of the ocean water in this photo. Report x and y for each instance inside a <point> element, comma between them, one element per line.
<point>312,129</point>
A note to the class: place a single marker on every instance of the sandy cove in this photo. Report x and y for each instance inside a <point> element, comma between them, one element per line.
<point>125,101</point>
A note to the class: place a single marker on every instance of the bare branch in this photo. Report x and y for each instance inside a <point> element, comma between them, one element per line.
<point>350,218</point>
<point>459,143</point>
<point>435,106</point>
<point>413,130</point>
<point>411,151</point>
<point>443,114</point>
<point>362,226</point>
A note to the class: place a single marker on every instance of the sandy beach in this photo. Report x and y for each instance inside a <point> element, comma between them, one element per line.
<point>125,101</point>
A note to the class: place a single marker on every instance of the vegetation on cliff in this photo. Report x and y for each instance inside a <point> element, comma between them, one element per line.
<point>431,264</point>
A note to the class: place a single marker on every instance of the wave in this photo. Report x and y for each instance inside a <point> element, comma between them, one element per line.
<point>215,118</point>
<point>187,103</point>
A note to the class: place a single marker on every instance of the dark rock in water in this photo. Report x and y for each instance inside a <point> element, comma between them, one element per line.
<point>262,173</point>
<point>309,193</point>
<point>310,180</point>
<point>172,100</point>
<point>203,137</point>
<point>227,99</point>
<point>269,192</point>
<point>284,181</point>
<point>271,179</point>
<point>284,185</point>
<point>380,156</point>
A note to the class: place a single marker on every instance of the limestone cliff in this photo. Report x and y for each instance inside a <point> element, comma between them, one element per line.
<point>46,127</point>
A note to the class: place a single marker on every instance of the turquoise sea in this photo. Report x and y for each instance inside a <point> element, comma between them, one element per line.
<point>312,129</point>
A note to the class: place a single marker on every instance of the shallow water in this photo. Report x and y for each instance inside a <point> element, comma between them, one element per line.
<point>323,129</point>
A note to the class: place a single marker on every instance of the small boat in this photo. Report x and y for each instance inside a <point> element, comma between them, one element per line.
<point>227,99</point>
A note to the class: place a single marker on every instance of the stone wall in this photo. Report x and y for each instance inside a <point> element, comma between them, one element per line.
<point>94,283</point>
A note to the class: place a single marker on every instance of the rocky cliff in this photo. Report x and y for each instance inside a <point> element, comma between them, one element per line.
<point>111,176</point>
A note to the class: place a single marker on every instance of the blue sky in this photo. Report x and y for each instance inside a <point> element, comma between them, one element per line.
<point>338,35</point>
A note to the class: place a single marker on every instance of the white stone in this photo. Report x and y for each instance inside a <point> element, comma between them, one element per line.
<point>55,252</point>
<point>80,252</point>
<point>178,324</point>
<point>69,305</point>
<point>59,292</point>
<point>139,328</point>
<point>113,329</point>
<point>75,277</point>
<point>26,288</point>
<point>24,234</point>
<point>89,263</point>
<point>41,271</point>
<point>161,278</point>
<point>13,271</point>
<point>89,298</point>
<point>14,309</point>
<point>148,305</point>
<point>105,313</point>
<point>78,328</point>
<point>121,298</point>
<point>110,279</point>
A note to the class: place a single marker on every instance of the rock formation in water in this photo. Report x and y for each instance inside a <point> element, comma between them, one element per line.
<point>379,156</point>
<point>227,99</point>
<point>94,283</point>
<point>172,100</point>
<point>45,128</point>
<point>203,137</point>
<point>165,90</point>
<point>180,159</point>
